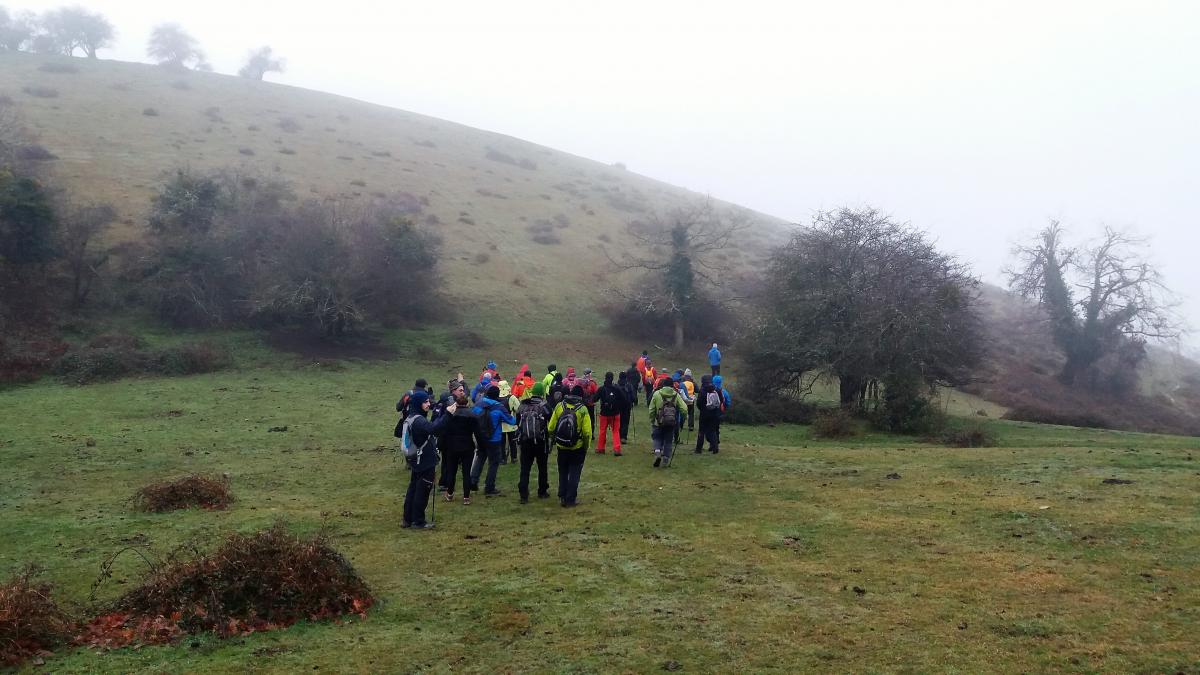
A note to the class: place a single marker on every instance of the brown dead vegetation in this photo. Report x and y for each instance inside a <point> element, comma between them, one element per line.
<point>196,490</point>
<point>31,623</point>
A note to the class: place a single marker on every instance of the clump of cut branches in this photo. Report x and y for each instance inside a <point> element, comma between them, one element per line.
<point>196,490</point>
<point>253,582</point>
<point>31,622</point>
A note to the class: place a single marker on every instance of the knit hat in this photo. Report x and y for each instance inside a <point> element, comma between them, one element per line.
<point>418,398</point>
<point>687,372</point>
<point>587,371</point>
<point>445,398</point>
<point>570,372</point>
<point>705,379</point>
<point>493,392</point>
<point>539,389</point>
<point>491,365</point>
<point>608,377</point>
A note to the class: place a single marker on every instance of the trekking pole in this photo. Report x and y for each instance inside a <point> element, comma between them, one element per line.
<point>433,493</point>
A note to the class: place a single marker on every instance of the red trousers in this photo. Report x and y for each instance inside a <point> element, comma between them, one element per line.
<point>605,422</point>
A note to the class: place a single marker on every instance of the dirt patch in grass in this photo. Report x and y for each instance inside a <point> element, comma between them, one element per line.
<point>196,490</point>
<point>319,349</point>
<point>31,623</point>
<point>256,582</point>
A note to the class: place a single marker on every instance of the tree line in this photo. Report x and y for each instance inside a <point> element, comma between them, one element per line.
<point>67,31</point>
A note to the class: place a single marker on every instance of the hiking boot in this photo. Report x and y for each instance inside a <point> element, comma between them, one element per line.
<point>543,495</point>
<point>423,526</point>
<point>657,461</point>
<point>449,496</point>
<point>405,523</point>
<point>616,454</point>
<point>466,501</point>
<point>697,451</point>
<point>715,451</point>
<point>493,493</point>
<point>525,499</point>
<point>600,451</point>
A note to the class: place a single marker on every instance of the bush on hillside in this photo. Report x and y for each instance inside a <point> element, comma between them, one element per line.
<point>40,91</point>
<point>194,491</point>
<point>58,68</point>
<point>26,359</point>
<point>150,112</point>
<point>30,620</point>
<point>969,434</point>
<point>833,424</point>
<point>1044,415</point>
<point>774,410</point>
<point>35,152</point>
<point>117,357</point>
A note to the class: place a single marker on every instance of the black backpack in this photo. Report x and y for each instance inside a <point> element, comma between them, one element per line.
<point>609,401</point>
<point>486,428</point>
<point>531,423</point>
<point>668,414</point>
<point>566,432</point>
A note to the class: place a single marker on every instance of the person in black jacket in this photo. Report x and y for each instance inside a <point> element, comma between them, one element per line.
<point>710,415</point>
<point>459,444</point>
<point>629,389</point>
<point>424,435</point>
<point>534,449</point>
<point>612,402</point>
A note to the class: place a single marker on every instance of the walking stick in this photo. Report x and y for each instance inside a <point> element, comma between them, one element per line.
<point>433,516</point>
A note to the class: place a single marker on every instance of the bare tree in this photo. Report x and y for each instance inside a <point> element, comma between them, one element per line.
<point>1122,298</point>
<point>73,28</point>
<point>260,62</point>
<point>80,227</point>
<point>677,254</point>
<point>171,46</point>
<point>869,301</point>
<point>16,31</point>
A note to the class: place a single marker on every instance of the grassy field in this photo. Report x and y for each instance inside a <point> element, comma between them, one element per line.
<point>781,554</point>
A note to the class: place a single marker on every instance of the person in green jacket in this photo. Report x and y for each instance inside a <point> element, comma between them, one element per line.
<point>664,423</point>
<point>548,380</point>
<point>572,441</point>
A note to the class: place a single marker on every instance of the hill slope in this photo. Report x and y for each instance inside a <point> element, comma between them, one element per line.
<point>119,129</point>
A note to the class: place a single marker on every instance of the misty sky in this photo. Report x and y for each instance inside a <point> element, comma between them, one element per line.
<point>977,121</point>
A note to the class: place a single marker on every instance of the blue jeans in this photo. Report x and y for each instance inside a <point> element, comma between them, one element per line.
<point>663,441</point>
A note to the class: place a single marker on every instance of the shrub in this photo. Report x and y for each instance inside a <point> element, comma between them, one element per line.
<point>192,358</point>
<point>40,91</point>
<point>497,156</point>
<point>30,620</point>
<point>35,153</point>
<point>150,112</point>
<point>181,85</point>
<point>246,151</point>
<point>358,182</point>
<point>206,492</point>
<point>86,366</point>
<point>116,341</point>
<point>528,164</point>
<point>468,339</point>
<point>289,125</point>
<point>776,410</point>
<point>547,238</point>
<point>1040,415</point>
<point>834,424</point>
<point>971,434</point>
<point>261,581</point>
<point>287,151</point>
<point>61,68</point>
<point>482,257</point>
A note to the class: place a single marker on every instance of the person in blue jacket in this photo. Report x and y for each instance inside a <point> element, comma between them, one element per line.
<point>491,414</point>
<point>424,435</point>
<point>714,360</point>
<point>718,381</point>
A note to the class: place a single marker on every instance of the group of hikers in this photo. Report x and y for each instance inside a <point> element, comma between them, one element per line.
<point>495,422</point>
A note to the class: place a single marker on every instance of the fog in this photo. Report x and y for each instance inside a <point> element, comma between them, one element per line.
<point>976,121</point>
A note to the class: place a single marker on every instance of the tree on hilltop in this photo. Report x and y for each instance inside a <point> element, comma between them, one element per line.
<point>16,31</point>
<point>1123,302</point>
<point>171,46</point>
<point>72,28</point>
<point>260,62</point>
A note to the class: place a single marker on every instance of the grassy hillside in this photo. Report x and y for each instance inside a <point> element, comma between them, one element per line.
<point>119,129</point>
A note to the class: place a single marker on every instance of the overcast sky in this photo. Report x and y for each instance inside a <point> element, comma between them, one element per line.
<point>977,120</point>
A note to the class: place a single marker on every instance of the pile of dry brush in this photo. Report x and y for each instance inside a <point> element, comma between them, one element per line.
<point>207,492</point>
<point>30,621</point>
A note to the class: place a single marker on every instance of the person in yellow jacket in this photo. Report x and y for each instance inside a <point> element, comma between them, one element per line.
<point>508,442</point>
<point>572,438</point>
<point>548,380</point>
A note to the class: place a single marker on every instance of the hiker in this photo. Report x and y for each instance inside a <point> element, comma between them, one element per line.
<point>481,388</point>
<point>726,398</point>
<point>640,363</point>
<point>688,389</point>
<point>629,392</point>
<point>570,381</point>
<point>533,424</point>
<point>665,410</point>
<point>689,401</point>
<point>459,444</point>
<point>491,416</point>
<point>634,376</point>
<point>508,440</point>
<point>571,433</point>
<point>648,379</point>
<point>402,404</point>
<point>522,387</point>
<point>551,371</point>
<point>420,434</point>
<point>590,388</point>
<point>714,360</point>
<point>490,372</point>
<point>557,391</point>
<point>612,403</point>
<point>712,406</point>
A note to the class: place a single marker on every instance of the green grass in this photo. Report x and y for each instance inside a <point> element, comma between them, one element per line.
<point>741,562</point>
